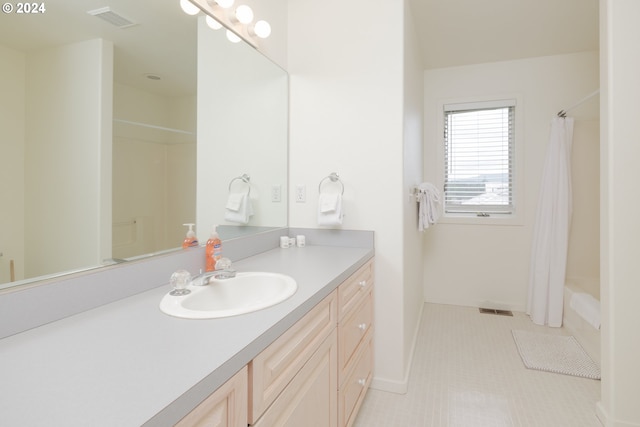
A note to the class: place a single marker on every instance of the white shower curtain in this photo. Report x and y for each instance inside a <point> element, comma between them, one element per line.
<point>551,229</point>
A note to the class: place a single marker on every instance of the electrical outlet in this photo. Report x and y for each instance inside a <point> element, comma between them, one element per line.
<point>276,193</point>
<point>301,194</point>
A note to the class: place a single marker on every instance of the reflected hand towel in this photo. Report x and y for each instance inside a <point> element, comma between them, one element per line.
<point>238,208</point>
<point>330,209</point>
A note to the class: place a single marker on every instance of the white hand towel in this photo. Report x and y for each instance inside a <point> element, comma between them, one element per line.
<point>328,202</point>
<point>238,208</point>
<point>428,205</point>
<point>234,201</point>
<point>330,209</point>
<point>587,307</point>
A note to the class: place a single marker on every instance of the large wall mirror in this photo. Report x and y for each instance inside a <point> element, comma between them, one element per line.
<point>119,122</point>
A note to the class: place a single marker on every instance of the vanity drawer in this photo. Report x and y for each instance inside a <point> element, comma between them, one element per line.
<point>351,332</point>
<point>272,370</point>
<point>352,290</point>
<point>353,389</point>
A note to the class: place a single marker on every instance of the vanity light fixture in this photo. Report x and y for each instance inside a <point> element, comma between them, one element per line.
<point>237,22</point>
<point>189,8</point>
<point>244,14</point>
<point>233,37</point>
<point>261,29</point>
<point>225,4</point>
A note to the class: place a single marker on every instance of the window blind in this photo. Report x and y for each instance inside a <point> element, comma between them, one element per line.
<point>479,159</point>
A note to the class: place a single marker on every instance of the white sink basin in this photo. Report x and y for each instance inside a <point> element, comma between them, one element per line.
<point>245,293</point>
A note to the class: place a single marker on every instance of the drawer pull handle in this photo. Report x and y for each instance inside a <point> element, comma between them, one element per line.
<point>362,382</point>
<point>362,283</point>
<point>362,326</point>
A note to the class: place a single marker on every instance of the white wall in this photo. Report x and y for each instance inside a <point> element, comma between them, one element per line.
<point>620,131</point>
<point>68,100</point>
<point>155,183</point>
<point>412,175</point>
<point>488,265</point>
<point>583,257</point>
<point>347,101</point>
<point>242,129</point>
<point>275,13</point>
<point>12,123</point>
<point>181,171</point>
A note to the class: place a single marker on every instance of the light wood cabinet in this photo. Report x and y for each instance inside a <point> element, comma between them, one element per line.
<point>274,368</point>
<point>310,400</point>
<point>355,343</point>
<point>355,384</point>
<point>316,374</point>
<point>353,328</point>
<point>225,407</point>
<point>353,290</point>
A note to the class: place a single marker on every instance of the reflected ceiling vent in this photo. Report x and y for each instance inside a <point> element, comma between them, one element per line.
<point>111,17</point>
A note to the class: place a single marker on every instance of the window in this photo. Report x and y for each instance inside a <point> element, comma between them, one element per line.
<point>479,147</point>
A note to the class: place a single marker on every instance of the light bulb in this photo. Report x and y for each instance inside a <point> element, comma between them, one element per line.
<point>189,8</point>
<point>212,23</point>
<point>225,3</point>
<point>244,14</point>
<point>262,29</point>
<point>233,37</point>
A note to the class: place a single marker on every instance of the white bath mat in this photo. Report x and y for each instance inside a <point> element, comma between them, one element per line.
<point>555,353</point>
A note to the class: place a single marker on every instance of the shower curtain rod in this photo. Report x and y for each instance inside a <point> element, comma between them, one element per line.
<point>563,113</point>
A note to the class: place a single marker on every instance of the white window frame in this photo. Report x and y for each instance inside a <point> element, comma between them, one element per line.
<point>514,218</point>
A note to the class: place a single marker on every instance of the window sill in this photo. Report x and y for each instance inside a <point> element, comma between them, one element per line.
<point>495,219</point>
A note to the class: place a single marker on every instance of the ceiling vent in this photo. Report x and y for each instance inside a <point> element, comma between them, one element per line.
<point>111,17</point>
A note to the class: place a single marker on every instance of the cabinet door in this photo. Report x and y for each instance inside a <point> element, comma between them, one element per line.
<point>226,407</point>
<point>272,370</point>
<point>310,400</point>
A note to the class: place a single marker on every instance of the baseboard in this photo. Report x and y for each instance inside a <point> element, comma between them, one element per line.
<point>398,387</point>
<point>401,387</point>
<point>464,302</point>
<point>606,420</point>
<point>601,413</point>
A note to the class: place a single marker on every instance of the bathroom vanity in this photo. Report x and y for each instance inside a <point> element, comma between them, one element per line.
<point>316,373</point>
<point>126,363</point>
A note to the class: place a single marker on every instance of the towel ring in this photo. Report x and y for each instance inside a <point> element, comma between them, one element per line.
<point>244,178</point>
<point>334,178</point>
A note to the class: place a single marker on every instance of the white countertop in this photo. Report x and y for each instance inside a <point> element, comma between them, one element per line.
<point>128,364</point>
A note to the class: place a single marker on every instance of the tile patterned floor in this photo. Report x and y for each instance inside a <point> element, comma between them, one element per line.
<point>467,372</point>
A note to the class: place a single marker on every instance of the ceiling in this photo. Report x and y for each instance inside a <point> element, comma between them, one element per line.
<point>162,41</point>
<point>464,32</point>
<point>451,33</point>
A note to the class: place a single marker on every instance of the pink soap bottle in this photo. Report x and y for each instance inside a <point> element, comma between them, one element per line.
<point>213,250</point>
<point>190,241</point>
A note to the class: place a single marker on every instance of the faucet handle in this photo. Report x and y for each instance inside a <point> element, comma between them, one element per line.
<point>223,264</point>
<point>179,281</point>
<point>223,269</point>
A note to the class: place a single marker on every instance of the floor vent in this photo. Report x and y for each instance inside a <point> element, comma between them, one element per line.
<point>494,311</point>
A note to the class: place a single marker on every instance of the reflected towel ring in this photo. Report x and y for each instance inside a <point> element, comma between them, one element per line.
<point>244,178</point>
<point>334,178</point>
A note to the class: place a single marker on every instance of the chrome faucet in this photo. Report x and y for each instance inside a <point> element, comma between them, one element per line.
<point>223,272</point>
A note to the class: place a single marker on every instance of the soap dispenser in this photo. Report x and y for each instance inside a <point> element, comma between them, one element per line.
<point>190,241</point>
<point>213,250</point>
